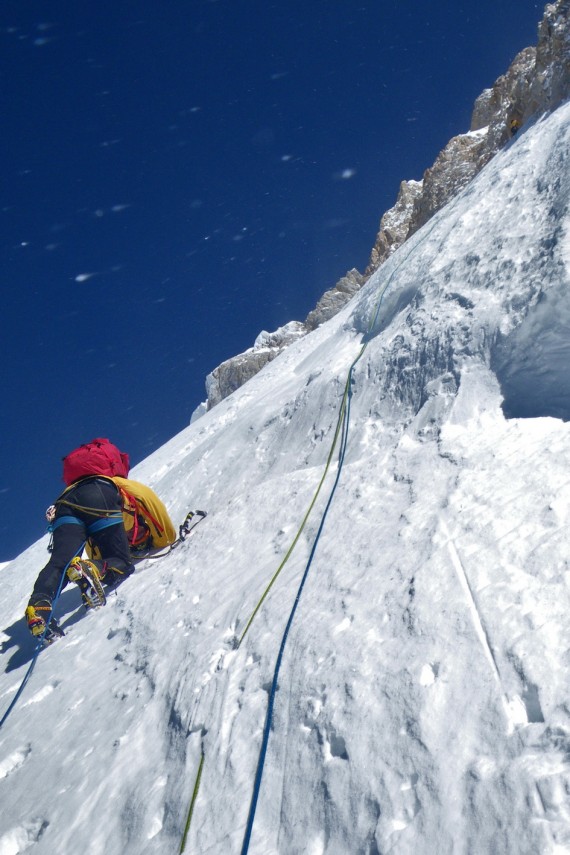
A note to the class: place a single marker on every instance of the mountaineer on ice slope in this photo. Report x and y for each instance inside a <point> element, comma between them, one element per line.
<point>116,519</point>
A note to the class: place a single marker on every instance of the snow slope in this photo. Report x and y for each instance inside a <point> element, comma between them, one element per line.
<point>422,702</point>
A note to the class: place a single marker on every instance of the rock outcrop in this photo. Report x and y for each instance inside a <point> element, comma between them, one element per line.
<point>538,80</point>
<point>550,84</point>
<point>332,301</point>
<point>237,370</point>
<point>394,225</point>
<point>234,372</point>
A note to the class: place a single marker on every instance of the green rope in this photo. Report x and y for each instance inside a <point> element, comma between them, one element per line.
<point>307,513</point>
<point>328,462</point>
<point>343,406</point>
<point>192,803</point>
<point>321,482</point>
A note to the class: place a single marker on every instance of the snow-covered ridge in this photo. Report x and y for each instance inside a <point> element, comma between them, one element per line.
<point>422,704</point>
<point>538,80</point>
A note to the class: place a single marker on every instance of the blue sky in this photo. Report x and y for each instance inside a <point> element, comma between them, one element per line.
<point>179,176</point>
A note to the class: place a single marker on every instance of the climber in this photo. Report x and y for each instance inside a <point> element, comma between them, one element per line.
<point>91,502</point>
<point>515,125</point>
<point>93,510</point>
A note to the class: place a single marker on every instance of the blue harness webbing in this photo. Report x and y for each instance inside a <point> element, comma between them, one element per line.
<point>92,528</point>
<point>104,522</point>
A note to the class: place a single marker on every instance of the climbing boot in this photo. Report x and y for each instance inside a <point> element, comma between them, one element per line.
<point>37,615</point>
<point>117,572</point>
<point>88,576</point>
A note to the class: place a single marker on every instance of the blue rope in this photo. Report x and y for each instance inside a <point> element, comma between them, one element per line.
<point>344,419</point>
<point>273,691</point>
<point>39,645</point>
<point>345,415</point>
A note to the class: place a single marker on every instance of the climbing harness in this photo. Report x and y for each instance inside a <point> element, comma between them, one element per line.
<point>115,518</point>
<point>104,518</point>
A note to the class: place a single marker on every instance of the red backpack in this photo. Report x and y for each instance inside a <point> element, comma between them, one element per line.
<point>98,457</point>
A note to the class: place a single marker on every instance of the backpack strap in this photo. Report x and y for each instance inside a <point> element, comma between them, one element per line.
<point>131,506</point>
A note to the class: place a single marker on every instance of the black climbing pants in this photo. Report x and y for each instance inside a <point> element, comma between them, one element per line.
<point>90,500</point>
